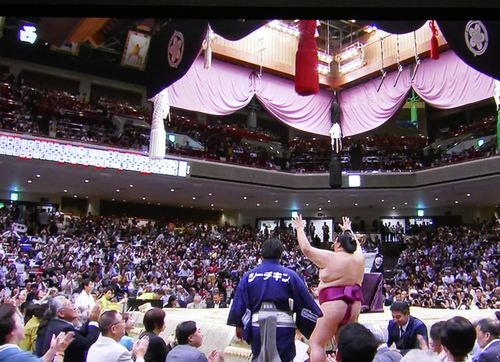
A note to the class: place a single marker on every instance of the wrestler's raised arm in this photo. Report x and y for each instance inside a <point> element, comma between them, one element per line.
<point>346,226</point>
<point>317,256</point>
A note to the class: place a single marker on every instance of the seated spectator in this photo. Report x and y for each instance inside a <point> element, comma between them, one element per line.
<point>458,337</point>
<point>31,327</point>
<point>356,343</point>
<point>12,332</point>
<point>435,340</point>
<point>154,324</point>
<point>196,303</point>
<point>217,301</point>
<point>419,355</point>
<point>189,339</point>
<point>384,353</point>
<point>403,329</point>
<point>107,348</point>
<point>487,337</point>
<point>106,301</point>
<point>126,340</point>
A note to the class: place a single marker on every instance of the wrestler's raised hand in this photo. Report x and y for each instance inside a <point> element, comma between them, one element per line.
<point>298,223</point>
<point>346,224</point>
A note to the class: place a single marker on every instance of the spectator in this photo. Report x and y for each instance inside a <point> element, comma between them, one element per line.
<point>85,300</point>
<point>419,355</point>
<point>107,348</point>
<point>435,340</point>
<point>31,327</point>
<point>356,343</point>
<point>403,329</point>
<point>126,340</point>
<point>63,314</point>
<point>12,332</point>
<point>384,353</point>
<point>189,339</point>
<point>196,303</point>
<point>154,324</point>
<point>458,337</point>
<point>217,301</point>
<point>487,337</point>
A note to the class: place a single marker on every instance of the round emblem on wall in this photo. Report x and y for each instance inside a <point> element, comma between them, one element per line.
<point>476,37</point>
<point>175,49</point>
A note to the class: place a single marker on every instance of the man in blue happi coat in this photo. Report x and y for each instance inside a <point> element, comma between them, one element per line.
<point>272,300</point>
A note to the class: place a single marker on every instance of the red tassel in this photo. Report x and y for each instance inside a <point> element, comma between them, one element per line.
<point>434,41</point>
<point>306,60</point>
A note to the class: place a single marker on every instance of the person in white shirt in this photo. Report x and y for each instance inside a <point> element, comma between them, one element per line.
<point>107,348</point>
<point>196,303</point>
<point>85,300</point>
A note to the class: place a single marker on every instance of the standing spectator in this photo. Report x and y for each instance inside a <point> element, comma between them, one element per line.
<point>266,292</point>
<point>403,329</point>
<point>107,348</point>
<point>189,339</point>
<point>85,300</point>
<point>68,284</point>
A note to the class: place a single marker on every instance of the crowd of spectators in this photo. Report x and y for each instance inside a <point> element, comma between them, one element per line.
<point>132,257</point>
<point>39,111</point>
<point>455,268</point>
<point>449,267</point>
<point>199,265</point>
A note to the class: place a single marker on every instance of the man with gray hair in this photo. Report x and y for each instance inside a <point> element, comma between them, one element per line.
<point>488,332</point>
<point>384,353</point>
<point>63,314</point>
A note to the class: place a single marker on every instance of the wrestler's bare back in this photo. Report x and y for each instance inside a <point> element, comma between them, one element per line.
<point>341,269</point>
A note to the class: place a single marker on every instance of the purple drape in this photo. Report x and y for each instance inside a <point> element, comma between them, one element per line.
<point>444,83</point>
<point>225,88</point>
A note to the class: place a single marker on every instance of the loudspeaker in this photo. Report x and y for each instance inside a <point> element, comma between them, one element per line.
<point>335,172</point>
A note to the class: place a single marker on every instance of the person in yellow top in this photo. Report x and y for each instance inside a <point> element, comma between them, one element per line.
<point>31,327</point>
<point>107,304</point>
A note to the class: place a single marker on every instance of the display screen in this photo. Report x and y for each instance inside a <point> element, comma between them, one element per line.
<point>80,155</point>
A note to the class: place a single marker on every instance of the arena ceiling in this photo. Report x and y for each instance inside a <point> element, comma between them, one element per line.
<point>101,48</point>
<point>102,40</point>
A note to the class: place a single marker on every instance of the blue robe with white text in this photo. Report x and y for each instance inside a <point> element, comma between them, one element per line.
<point>272,282</point>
